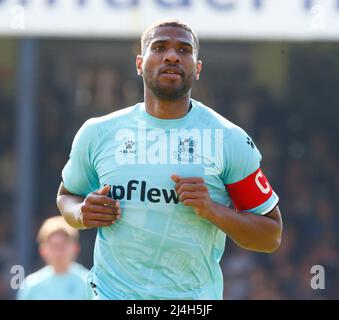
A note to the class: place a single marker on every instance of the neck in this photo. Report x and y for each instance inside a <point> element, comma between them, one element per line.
<point>167,109</point>
<point>59,269</point>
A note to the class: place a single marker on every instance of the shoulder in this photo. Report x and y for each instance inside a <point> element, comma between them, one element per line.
<point>37,277</point>
<point>94,128</point>
<point>79,270</point>
<point>213,119</point>
<point>111,118</point>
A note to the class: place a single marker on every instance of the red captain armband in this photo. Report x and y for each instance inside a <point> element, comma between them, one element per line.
<point>250,192</point>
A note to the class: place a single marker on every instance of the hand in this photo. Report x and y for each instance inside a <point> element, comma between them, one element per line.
<point>98,210</point>
<point>194,193</point>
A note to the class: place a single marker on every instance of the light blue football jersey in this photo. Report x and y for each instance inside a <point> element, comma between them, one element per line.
<point>159,249</point>
<point>45,284</point>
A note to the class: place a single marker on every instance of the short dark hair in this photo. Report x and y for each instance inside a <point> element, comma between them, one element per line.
<point>146,36</point>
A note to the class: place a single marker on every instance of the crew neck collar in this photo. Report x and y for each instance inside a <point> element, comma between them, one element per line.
<point>166,122</point>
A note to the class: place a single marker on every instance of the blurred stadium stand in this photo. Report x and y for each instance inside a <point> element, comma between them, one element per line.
<point>283,94</point>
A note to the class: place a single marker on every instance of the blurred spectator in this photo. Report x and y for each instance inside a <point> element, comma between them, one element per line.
<point>62,278</point>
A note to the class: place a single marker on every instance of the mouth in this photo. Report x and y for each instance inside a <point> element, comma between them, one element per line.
<point>172,73</point>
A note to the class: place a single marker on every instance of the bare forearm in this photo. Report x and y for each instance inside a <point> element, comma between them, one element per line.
<point>96,210</point>
<point>250,231</point>
<point>69,206</point>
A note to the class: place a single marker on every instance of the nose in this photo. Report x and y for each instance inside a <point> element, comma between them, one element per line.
<point>171,56</point>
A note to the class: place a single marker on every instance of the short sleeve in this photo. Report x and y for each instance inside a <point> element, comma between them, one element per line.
<point>246,184</point>
<point>79,175</point>
<point>241,156</point>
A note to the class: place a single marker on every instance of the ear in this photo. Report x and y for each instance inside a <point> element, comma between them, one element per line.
<point>43,250</point>
<point>198,69</point>
<point>138,62</point>
<point>76,248</point>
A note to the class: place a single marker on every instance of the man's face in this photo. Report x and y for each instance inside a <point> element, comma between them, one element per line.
<point>169,64</point>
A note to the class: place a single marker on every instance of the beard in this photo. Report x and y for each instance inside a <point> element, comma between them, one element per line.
<point>169,90</point>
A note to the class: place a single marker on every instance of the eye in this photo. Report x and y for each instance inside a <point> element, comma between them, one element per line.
<point>185,50</point>
<point>158,48</point>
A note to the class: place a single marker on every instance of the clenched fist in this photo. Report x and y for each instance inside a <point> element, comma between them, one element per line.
<point>98,210</point>
<point>194,193</point>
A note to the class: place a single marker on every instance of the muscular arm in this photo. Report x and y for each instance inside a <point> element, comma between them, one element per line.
<point>253,232</point>
<point>250,231</point>
<point>69,206</point>
<point>96,210</point>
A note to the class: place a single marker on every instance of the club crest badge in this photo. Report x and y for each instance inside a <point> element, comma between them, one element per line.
<point>186,150</point>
